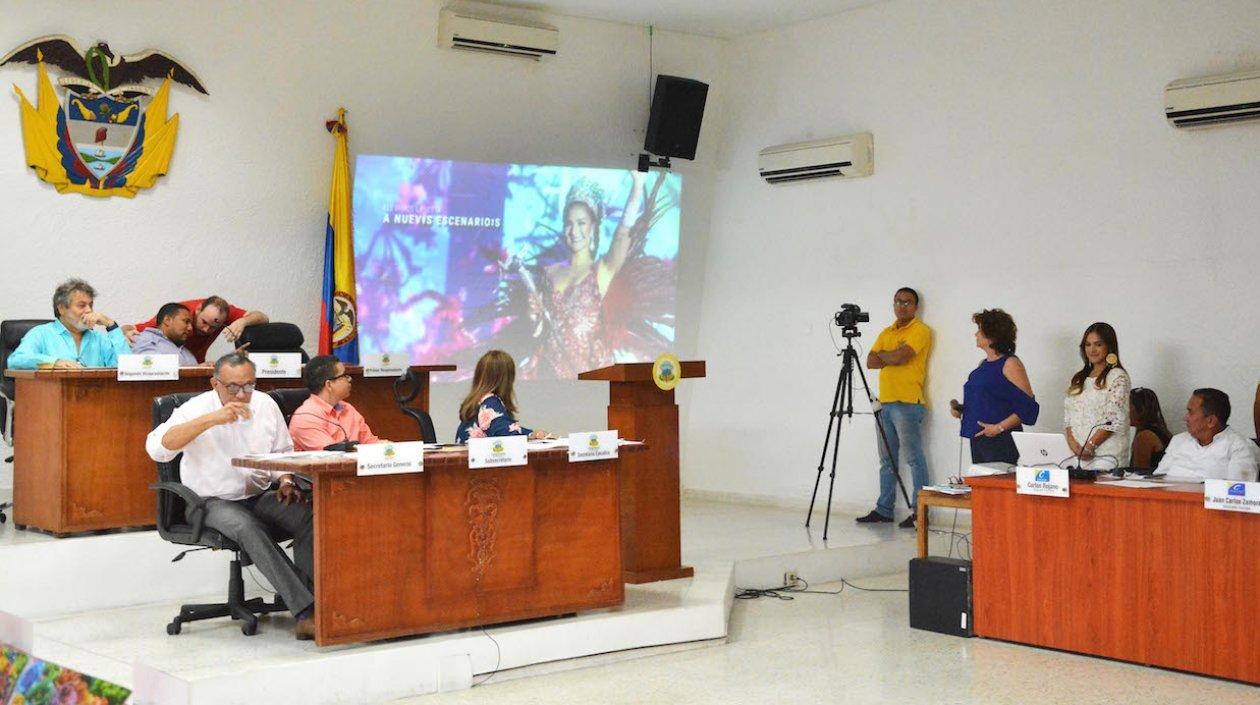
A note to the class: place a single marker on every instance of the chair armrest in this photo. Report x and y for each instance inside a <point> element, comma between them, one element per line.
<point>196,503</point>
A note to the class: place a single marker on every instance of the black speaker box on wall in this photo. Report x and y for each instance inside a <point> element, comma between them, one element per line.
<point>677,109</point>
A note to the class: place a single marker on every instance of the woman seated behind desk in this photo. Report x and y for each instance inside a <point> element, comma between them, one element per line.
<point>490,407</point>
<point>1151,434</point>
<point>1096,410</point>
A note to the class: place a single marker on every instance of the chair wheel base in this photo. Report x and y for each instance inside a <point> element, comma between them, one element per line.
<point>249,628</point>
<point>173,628</point>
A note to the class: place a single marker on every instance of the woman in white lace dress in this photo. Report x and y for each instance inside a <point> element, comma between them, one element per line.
<point>1097,407</point>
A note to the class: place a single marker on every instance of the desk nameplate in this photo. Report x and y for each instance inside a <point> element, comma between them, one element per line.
<point>1043,482</point>
<point>147,367</point>
<point>1231,496</point>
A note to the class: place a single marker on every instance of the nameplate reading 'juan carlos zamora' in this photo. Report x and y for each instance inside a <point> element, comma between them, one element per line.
<point>386,364</point>
<point>390,458</point>
<point>1231,496</point>
<point>503,451</point>
<point>277,365</point>
<point>1046,482</point>
<point>592,445</point>
<point>146,368</point>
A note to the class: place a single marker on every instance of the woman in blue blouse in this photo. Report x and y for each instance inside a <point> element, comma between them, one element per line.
<point>490,407</point>
<point>998,397</point>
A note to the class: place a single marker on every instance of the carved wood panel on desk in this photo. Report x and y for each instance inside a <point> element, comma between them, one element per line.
<point>453,547</point>
<point>79,460</point>
<point>1142,575</point>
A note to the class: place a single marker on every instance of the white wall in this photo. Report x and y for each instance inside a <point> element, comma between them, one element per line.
<point>242,211</point>
<point>1022,161</point>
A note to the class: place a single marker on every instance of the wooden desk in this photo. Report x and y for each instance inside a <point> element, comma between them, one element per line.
<point>1142,575</point>
<point>928,498</point>
<point>450,547</point>
<point>79,462</point>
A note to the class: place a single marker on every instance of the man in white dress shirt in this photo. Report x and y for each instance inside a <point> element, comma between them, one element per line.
<point>1209,448</point>
<point>228,422</point>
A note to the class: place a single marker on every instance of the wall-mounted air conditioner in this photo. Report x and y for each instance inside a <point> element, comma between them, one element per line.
<point>461,30</point>
<point>1212,100</point>
<point>852,155</point>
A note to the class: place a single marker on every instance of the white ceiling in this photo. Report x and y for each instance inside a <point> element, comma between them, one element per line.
<point>716,18</point>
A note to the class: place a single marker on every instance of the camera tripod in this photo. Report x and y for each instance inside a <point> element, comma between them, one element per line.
<point>841,406</point>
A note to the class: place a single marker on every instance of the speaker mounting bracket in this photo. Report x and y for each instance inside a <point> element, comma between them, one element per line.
<point>646,162</point>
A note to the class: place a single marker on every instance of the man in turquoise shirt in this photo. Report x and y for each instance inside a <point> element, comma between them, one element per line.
<point>72,341</point>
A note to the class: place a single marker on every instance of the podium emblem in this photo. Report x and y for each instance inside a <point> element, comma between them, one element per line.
<point>666,371</point>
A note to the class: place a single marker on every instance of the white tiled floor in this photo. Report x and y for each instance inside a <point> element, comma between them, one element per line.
<point>854,648</point>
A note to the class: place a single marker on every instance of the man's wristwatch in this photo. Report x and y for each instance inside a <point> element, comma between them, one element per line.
<point>111,327</point>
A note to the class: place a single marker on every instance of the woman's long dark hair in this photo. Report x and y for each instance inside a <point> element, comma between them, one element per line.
<point>495,374</point>
<point>1108,335</point>
<point>1147,416</point>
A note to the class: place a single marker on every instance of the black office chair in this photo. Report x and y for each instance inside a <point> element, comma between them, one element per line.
<point>274,337</point>
<point>406,389</point>
<point>172,498</point>
<point>11,334</point>
<point>289,400</point>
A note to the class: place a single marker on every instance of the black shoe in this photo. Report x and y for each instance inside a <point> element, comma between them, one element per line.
<point>907,523</point>
<point>874,518</point>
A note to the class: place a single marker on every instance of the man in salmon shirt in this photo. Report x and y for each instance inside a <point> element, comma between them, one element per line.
<point>211,316</point>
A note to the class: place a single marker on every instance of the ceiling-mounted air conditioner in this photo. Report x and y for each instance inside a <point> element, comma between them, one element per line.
<point>461,30</point>
<point>1212,100</point>
<point>852,155</point>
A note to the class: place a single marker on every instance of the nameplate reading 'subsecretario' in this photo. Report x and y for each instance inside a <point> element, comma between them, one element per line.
<point>386,364</point>
<point>277,365</point>
<point>1232,496</point>
<point>502,451</point>
<point>1047,482</point>
<point>390,458</point>
<point>146,368</point>
<point>593,445</point>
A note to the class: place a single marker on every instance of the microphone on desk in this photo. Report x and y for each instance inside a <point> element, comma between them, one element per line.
<point>344,446</point>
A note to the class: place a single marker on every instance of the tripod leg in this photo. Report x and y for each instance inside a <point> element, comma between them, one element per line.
<point>831,422</point>
<point>883,438</point>
<point>844,395</point>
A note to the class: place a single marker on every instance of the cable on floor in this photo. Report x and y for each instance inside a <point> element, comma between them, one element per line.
<point>801,587</point>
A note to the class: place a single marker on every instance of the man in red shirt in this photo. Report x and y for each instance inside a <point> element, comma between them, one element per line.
<point>211,316</point>
<point>326,417</point>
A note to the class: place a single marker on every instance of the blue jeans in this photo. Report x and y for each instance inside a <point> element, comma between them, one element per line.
<point>903,427</point>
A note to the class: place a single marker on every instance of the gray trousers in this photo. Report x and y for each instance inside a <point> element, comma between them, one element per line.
<point>246,522</point>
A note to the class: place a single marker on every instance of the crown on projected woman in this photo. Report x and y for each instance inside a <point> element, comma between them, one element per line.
<point>589,194</point>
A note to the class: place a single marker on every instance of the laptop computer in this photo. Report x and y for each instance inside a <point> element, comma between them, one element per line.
<point>1051,449</point>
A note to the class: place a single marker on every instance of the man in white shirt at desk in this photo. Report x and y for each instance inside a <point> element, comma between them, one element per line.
<point>1209,448</point>
<point>228,422</point>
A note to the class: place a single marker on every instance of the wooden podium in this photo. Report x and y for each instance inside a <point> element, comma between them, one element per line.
<point>651,549</point>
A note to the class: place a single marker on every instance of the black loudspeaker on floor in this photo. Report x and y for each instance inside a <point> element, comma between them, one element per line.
<point>940,595</point>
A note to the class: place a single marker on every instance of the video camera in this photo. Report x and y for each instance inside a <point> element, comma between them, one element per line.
<point>850,315</point>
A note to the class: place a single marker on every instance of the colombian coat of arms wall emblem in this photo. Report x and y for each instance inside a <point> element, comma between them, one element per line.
<point>109,135</point>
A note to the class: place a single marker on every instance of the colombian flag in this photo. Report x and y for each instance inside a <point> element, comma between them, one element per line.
<point>339,320</point>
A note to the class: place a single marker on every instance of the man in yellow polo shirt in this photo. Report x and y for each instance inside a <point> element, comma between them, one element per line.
<point>900,353</point>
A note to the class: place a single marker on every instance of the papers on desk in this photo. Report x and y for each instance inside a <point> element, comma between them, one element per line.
<point>1180,479</point>
<point>1137,484</point>
<point>949,489</point>
<point>297,455</point>
<point>982,469</point>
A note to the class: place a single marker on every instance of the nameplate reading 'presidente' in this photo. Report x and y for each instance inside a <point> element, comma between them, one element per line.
<point>1232,496</point>
<point>390,458</point>
<point>386,364</point>
<point>592,445</point>
<point>502,451</point>
<point>146,368</point>
<point>1046,482</point>
<point>277,365</point>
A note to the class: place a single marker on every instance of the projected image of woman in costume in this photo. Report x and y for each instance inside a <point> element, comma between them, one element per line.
<point>566,305</point>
